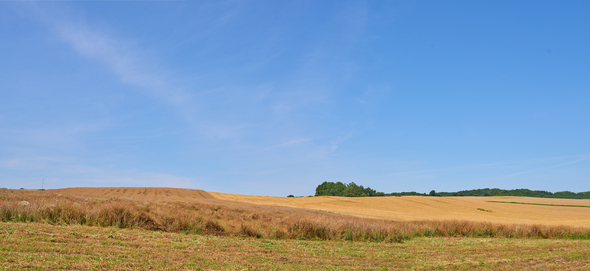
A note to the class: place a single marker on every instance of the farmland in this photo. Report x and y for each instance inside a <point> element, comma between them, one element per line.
<point>43,246</point>
<point>165,228</point>
<point>407,208</point>
<point>412,208</point>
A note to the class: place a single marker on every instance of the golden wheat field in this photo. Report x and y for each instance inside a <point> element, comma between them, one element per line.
<point>154,194</point>
<point>410,208</point>
<point>407,208</point>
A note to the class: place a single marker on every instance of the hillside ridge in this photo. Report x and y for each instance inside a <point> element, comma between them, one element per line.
<point>139,193</point>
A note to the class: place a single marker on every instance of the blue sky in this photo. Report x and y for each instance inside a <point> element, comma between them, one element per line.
<point>275,97</point>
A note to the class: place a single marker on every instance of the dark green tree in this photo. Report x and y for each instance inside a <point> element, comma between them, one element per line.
<point>353,190</point>
<point>330,189</point>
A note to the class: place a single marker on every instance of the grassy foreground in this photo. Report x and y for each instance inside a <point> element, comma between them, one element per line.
<point>42,246</point>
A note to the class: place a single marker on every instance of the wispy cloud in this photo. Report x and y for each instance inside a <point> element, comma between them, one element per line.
<point>101,176</point>
<point>288,143</point>
<point>58,137</point>
<point>124,59</point>
<point>62,172</point>
<point>134,66</point>
<point>340,139</point>
<point>233,104</point>
<point>579,160</point>
<point>506,166</point>
<point>29,163</point>
<point>142,180</point>
<point>460,168</point>
<point>331,146</point>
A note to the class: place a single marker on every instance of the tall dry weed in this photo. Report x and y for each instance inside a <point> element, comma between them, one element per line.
<point>210,216</point>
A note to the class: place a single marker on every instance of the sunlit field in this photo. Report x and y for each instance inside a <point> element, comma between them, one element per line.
<point>164,228</point>
<point>413,208</point>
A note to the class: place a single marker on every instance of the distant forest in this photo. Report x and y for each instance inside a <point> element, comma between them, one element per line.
<point>354,190</point>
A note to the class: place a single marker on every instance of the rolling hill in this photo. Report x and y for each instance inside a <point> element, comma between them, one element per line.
<point>407,208</point>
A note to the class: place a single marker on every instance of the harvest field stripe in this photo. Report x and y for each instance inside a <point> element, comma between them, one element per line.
<point>417,208</point>
<point>543,204</point>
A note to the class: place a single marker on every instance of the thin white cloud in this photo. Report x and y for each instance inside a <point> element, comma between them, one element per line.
<point>124,59</point>
<point>545,168</point>
<point>520,164</point>
<point>134,66</point>
<point>463,168</point>
<point>90,174</point>
<point>61,172</point>
<point>288,143</point>
<point>245,116</point>
<point>268,172</point>
<point>141,180</point>
<point>29,163</point>
<point>58,138</point>
<point>334,143</point>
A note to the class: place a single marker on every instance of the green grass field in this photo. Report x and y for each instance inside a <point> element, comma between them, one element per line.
<point>39,246</point>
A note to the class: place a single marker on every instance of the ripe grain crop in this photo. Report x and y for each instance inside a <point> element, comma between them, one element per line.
<point>205,215</point>
<point>418,208</point>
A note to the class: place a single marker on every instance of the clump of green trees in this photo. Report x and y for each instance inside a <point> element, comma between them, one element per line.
<point>354,190</point>
<point>345,190</point>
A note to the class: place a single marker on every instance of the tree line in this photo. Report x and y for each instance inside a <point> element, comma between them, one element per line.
<point>346,190</point>
<point>487,192</point>
<point>354,190</point>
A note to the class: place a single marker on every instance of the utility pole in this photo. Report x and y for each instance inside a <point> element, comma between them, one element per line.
<point>43,183</point>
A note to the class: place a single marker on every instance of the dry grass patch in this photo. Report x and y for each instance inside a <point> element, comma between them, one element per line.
<point>230,218</point>
<point>152,194</point>
<point>44,246</point>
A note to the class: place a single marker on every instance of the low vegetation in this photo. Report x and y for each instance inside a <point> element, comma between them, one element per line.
<point>228,218</point>
<point>354,190</point>
<point>40,246</point>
